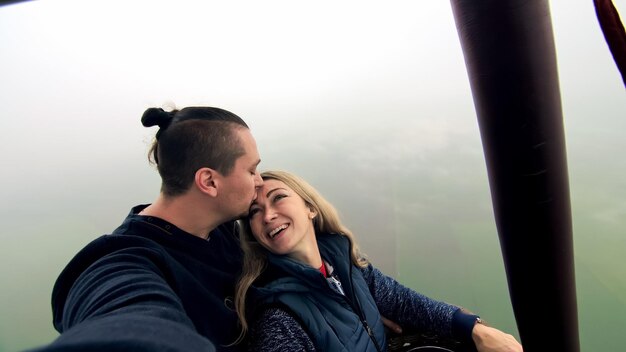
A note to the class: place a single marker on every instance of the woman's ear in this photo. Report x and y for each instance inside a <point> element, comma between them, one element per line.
<point>312,214</point>
<point>206,180</point>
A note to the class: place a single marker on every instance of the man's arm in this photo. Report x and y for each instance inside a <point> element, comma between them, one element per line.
<point>123,302</point>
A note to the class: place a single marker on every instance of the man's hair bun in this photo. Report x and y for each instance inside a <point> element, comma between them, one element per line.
<point>157,117</point>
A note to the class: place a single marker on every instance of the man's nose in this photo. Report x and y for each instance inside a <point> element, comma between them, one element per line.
<point>258,181</point>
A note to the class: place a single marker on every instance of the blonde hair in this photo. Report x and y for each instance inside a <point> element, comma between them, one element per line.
<point>255,256</point>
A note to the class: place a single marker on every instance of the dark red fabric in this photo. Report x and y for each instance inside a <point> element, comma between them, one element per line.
<point>322,269</point>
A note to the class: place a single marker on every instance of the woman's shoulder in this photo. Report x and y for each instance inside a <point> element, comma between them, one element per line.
<point>335,242</point>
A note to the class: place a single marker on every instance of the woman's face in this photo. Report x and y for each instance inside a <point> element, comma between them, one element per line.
<point>282,222</point>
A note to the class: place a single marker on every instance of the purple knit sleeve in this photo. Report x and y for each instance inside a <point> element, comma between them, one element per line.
<point>408,308</point>
<point>275,330</point>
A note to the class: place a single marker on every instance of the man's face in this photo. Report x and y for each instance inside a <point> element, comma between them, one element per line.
<point>241,184</point>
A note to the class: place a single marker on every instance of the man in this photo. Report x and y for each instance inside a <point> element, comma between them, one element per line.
<point>164,280</point>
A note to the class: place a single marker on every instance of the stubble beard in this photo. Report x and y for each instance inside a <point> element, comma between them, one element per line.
<point>244,214</point>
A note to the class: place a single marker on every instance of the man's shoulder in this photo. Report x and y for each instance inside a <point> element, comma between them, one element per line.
<point>140,239</point>
<point>103,246</point>
<point>111,243</point>
<point>229,228</point>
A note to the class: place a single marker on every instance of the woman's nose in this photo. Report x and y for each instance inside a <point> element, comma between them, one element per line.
<point>269,214</point>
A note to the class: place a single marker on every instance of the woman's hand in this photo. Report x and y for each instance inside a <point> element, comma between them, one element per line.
<point>392,325</point>
<point>488,339</point>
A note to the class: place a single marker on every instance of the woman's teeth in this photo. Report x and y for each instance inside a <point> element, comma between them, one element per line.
<point>275,231</point>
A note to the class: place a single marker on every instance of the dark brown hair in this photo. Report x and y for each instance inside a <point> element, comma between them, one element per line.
<point>190,139</point>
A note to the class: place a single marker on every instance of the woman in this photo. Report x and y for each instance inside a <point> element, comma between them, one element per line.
<point>305,285</point>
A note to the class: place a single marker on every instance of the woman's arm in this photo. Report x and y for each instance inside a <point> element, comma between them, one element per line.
<point>275,330</point>
<point>488,339</point>
<point>410,309</point>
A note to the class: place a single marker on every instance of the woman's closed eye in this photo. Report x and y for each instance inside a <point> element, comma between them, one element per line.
<point>253,211</point>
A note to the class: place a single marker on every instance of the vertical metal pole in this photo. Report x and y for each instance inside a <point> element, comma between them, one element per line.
<point>511,62</point>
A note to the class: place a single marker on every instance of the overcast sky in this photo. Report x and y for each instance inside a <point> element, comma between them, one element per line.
<point>368,100</point>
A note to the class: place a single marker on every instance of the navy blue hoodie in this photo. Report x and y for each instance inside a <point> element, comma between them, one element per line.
<point>149,286</point>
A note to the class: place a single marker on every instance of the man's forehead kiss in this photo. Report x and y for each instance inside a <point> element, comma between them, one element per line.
<point>269,193</point>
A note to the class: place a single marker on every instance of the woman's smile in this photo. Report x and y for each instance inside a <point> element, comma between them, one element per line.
<point>278,230</point>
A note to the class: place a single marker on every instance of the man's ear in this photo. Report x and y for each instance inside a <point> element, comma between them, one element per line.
<point>207,181</point>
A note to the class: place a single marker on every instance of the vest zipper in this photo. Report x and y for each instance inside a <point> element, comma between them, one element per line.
<point>371,333</point>
<point>355,304</point>
<point>357,307</point>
